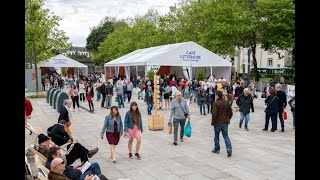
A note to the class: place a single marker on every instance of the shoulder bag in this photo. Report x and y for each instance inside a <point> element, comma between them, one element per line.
<point>269,104</point>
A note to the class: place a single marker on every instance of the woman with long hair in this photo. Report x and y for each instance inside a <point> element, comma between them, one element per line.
<point>271,110</point>
<point>90,96</point>
<point>133,128</point>
<point>113,127</point>
<point>74,95</point>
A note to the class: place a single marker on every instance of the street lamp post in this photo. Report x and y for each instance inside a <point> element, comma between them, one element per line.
<point>249,50</point>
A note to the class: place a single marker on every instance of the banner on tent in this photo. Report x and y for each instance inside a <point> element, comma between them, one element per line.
<point>190,56</point>
<point>60,61</point>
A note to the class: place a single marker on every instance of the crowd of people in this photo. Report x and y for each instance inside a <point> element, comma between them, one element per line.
<point>213,96</point>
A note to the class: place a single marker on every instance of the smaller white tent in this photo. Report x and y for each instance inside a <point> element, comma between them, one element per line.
<point>60,61</point>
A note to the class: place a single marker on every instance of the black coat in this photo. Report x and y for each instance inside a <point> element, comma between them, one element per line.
<point>238,91</point>
<point>245,103</point>
<point>273,107</point>
<point>64,114</point>
<point>292,103</point>
<point>58,135</point>
<point>282,99</point>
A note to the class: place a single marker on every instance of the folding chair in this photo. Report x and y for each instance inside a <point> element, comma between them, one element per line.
<point>43,171</point>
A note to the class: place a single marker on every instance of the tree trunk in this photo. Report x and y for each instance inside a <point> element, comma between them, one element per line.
<point>256,72</point>
<point>35,66</point>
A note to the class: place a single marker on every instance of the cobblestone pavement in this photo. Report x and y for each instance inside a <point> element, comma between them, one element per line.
<point>256,154</point>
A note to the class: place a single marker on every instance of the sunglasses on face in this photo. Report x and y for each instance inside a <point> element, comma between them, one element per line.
<point>59,164</point>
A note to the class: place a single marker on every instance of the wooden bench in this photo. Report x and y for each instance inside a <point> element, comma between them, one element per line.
<point>43,171</point>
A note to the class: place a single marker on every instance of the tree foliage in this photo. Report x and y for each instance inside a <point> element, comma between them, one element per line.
<point>141,34</point>
<point>150,74</point>
<point>200,75</point>
<point>42,37</point>
<point>98,34</point>
<point>41,28</point>
<point>221,26</point>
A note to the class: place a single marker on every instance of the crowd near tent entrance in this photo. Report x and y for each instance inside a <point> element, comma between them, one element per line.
<point>58,62</point>
<point>182,59</point>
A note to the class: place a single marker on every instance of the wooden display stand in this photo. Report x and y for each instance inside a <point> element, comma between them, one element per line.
<point>156,121</point>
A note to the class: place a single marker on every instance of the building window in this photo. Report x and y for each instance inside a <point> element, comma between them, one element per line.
<point>278,65</point>
<point>270,52</point>
<point>270,61</point>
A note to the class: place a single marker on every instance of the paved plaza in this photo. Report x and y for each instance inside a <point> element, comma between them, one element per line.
<point>255,154</point>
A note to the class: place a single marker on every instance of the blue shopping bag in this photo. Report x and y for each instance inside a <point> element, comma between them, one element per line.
<point>187,129</point>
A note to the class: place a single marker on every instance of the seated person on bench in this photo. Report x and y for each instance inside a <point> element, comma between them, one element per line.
<point>57,171</point>
<point>59,136</point>
<point>72,172</point>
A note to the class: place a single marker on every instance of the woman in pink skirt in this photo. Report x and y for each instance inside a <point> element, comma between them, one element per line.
<point>133,128</point>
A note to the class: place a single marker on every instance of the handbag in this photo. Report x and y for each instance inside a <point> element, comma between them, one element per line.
<point>170,127</point>
<point>116,99</point>
<point>269,104</point>
<point>188,130</point>
<point>284,115</point>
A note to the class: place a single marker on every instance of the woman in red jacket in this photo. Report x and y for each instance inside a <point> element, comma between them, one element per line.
<point>28,109</point>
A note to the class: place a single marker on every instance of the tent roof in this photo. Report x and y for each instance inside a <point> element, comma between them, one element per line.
<point>179,54</point>
<point>61,61</point>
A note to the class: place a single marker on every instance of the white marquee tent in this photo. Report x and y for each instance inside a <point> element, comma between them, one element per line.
<point>186,55</point>
<point>60,61</point>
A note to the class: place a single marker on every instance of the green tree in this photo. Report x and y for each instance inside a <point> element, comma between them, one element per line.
<point>98,34</point>
<point>141,33</point>
<point>42,37</point>
<point>223,26</point>
<point>200,76</point>
<point>150,74</point>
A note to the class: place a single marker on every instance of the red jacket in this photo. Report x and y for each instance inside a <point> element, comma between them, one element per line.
<point>28,107</point>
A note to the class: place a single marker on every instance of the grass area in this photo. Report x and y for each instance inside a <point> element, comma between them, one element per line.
<point>265,79</point>
<point>36,96</point>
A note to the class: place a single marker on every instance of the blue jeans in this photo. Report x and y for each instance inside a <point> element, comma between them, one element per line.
<point>247,117</point>
<point>120,101</point>
<point>98,95</point>
<point>150,105</point>
<point>195,96</point>
<point>93,169</point>
<point>224,129</point>
<point>202,106</point>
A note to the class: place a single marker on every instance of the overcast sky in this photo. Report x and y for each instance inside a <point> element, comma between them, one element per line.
<point>78,16</point>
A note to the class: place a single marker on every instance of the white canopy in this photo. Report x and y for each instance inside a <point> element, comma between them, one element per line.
<point>59,61</point>
<point>179,54</point>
